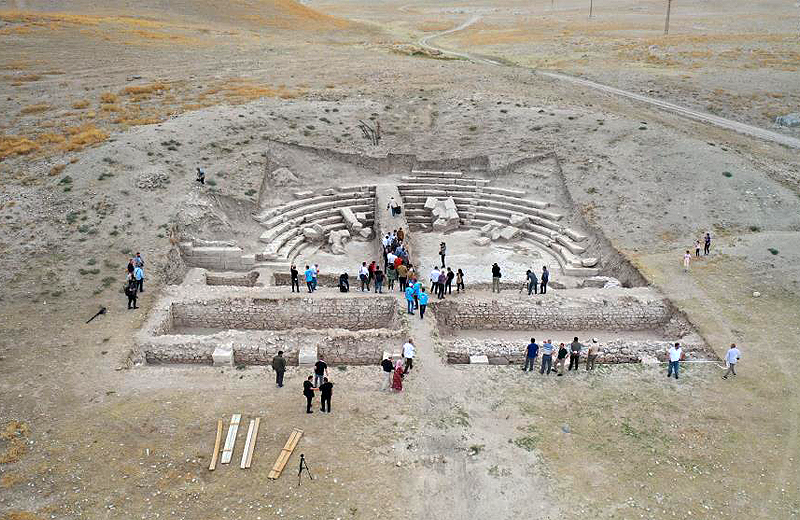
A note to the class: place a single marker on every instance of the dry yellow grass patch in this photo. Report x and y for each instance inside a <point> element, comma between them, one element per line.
<point>14,145</point>
<point>55,170</point>
<point>35,109</point>
<point>21,515</point>
<point>79,137</point>
<point>13,436</point>
<point>7,481</point>
<point>110,108</point>
<point>50,138</point>
<point>108,97</point>
<point>242,91</point>
<point>153,88</point>
<point>24,78</point>
<point>78,105</point>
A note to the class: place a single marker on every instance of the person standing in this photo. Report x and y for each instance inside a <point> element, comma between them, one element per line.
<point>201,175</point>
<point>408,354</point>
<point>309,275</point>
<point>410,299</point>
<point>732,357</point>
<point>442,252</point>
<point>397,377</point>
<point>591,354</point>
<point>575,353</point>
<point>138,275</point>
<point>402,276</point>
<point>371,271</point>
<point>459,281</point>
<point>547,356</point>
<point>448,283</point>
<point>496,278</point>
<point>387,370</point>
<point>533,282</point>
<point>314,276</point>
<point>562,356</point>
<point>687,258</point>
<point>363,275</point>
<point>378,280</point>
<point>394,207</point>
<point>131,267</point>
<point>675,354</point>
<point>423,302</point>
<point>279,366</point>
<point>544,280</point>
<point>532,352</point>
<point>417,290</point>
<point>391,276</point>
<point>320,371</point>
<point>401,235</point>
<point>138,261</point>
<point>295,276</point>
<point>308,392</point>
<point>434,277</point>
<point>707,245</point>
<point>344,283</point>
<point>131,290</point>
<point>697,248</point>
<point>441,283</point>
<point>325,394</point>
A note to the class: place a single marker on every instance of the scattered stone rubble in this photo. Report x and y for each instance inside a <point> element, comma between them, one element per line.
<point>444,213</point>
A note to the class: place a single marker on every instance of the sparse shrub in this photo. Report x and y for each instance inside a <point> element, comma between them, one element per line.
<point>66,180</point>
<point>55,170</point>
<point>108,97</point>
<point>754,228</point>
<point>35,109</point>
<point>727,174</point>
<point>211,182</point>
<point>250,192</point>
<point>773,251</point>
<point>13,145</point>
<point>145,89</point>
<point>78,105</point>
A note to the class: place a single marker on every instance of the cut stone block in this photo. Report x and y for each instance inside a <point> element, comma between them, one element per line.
<point>495,234</point>
<point>574,235</point>
<point>430,203</point>
<point>482,241</point>
<point>479,360</point>
<point>589,262</point>
<point>365,233</point>
<point>307,355</point>
<point>303,194</point>
<point>362,217</point>
<point>350,220</point>
<point>518,220</point>
<point>441,224</point>
<point>449,203</point>
<point>509,233</point>
<point>329,191</point>
<point>223,356</point>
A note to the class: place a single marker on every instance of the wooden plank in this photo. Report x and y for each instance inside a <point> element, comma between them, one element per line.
<point>215,456</point>
<point>250,443</point>
<point>285,454</point>
<point>227,451</point>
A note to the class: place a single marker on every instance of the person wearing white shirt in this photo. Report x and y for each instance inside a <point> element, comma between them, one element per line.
<point>434,280</point>
<point>687,258</point>
<point>408,355</point>
<point>675,355</point>
<point>731,357</point>
<point>363,275</point>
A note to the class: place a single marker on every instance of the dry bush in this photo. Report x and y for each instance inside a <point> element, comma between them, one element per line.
<point>145,89</point>
<point>110,108</point>
<point>50,138</point>
<point>35,109</point>
<point>55,170</point>
<point>14,145</point>
<point>25,78</point>
<point>108,97</point>
<point>82,136</point>
<point>78,105</point>
<point>14,435</point>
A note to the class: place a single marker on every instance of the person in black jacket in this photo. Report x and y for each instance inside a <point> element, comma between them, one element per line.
<point>295,278</point>
<point>545,278</point>
<point>344,282</point>
<point>326,392</point>
<point>496,278</point>
<point>131,289</point>
<point>387,370</point>
<point>308,391</point>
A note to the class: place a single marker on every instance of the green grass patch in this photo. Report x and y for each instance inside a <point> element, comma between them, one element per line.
<point>773,251</point>
<point>727,174</point>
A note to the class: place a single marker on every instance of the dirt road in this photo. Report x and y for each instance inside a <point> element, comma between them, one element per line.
<point>720,122</point>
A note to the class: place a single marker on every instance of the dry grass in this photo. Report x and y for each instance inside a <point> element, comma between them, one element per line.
<point>7,481</point>
<point>81,136</point>
<point>108,97</point>
<point>55,170</point>
<point>14,145</point>
<point>24,78</point>
<point>21,515</point>
<point>13,435</point>
<point>35,109</point>
<point>138,90</point>
<point>79,105</point>
<point>50,138</point>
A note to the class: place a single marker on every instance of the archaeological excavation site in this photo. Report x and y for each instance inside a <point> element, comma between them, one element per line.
<point>232,303</point>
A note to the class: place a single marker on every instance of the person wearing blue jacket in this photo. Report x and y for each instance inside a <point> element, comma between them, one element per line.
<point>423,302</point>
<point>310,279</point>
<point>410,299</point>
<point>532,352</point>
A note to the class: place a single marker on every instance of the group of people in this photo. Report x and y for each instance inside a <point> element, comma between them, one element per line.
<point>393,372</point>
<point>134,280</point>
<point>310,275</point>
<point>547,349</point>
<point>687,256</point>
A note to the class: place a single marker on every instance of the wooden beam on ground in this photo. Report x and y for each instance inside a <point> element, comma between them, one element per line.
<point>286,453</point>
<point>230,440</point>
<point>250,443</point>
<point>215,456</point>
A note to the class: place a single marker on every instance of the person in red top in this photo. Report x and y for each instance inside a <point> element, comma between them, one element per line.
<point>371,270</point>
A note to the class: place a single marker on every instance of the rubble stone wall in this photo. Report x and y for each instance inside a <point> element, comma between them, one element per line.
<point>511,315</point>
<point>218,258</point>
<point>240,280</point>
<point>285,313</point>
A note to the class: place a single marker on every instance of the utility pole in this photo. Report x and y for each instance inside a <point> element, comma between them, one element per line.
<point>666,25</point>
<point>590,8</point>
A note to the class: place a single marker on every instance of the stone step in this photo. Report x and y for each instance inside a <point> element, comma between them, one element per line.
<point>504,191</point>
<point>433,173</point>
<point>509,209</point>
<point>295,204</point>
<point>538,204</point>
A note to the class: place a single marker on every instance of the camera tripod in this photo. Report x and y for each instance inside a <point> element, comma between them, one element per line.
<point>303,466</point>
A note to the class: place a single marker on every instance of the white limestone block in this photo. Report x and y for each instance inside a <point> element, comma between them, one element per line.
<point>479,360</point>
<point>223,355</point>
<point>509,233</point>
<point>518,220</point>
<point>307,355</point>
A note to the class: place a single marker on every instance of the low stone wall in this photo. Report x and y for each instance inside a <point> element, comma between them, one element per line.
<point>339,347</point>
<point>323,280</point>
<point>218,258</point>
<point>239,280</point>
<point>617,351</point>
<point>552,313</point>
<point>250,313</point>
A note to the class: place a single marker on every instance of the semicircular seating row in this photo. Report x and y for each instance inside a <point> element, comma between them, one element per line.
<point>284,224</point>
<point>479,204</point>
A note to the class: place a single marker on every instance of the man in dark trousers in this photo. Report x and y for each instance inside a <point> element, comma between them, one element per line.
<point>533,282</point>
<point>707,246</point>
<point>387,368</point>
<point>574,353</point>
<point>279,366</point>
<point>326,391</point>
<point>545,278</point>
<point>532,352</point>
<point>448,284</point>
<point>308,391</point>
<point>131,288</point>
<point>496,278</point>
<point>295,279</point>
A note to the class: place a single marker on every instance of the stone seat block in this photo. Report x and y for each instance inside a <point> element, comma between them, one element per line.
<point>538,204</point>
<point>504,191</point>
<point>222,356</point>
<point>569,244</point>
<point>434,173</point>
<point>479,360</point>
<point>574,235</point>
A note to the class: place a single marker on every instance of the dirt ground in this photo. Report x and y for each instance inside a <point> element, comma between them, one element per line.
<point>106,112</point>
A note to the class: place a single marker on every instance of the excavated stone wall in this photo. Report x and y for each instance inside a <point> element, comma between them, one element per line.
<point>237,279</point>
<point>250,313</point>
<point>552,314</point>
